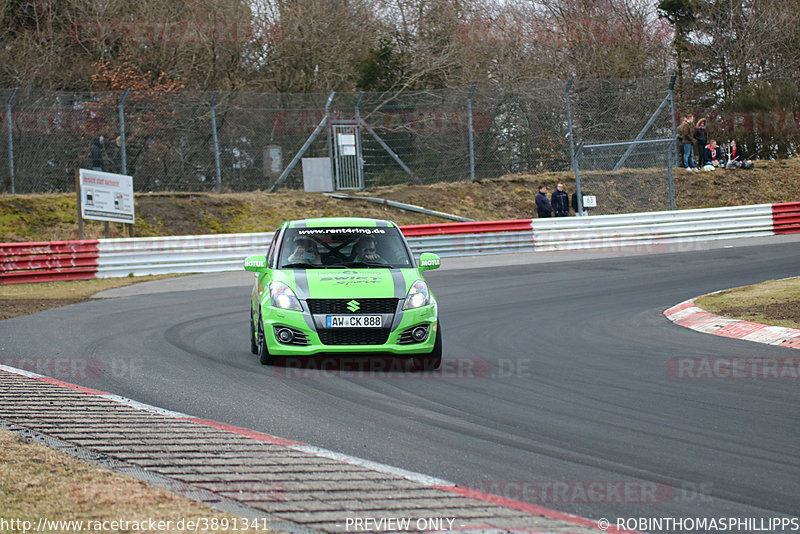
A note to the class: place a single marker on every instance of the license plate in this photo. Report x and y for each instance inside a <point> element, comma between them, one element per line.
<point>353,321</point>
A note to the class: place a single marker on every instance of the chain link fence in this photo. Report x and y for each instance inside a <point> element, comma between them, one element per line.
<point>617,136</point>
<point>625,143</point>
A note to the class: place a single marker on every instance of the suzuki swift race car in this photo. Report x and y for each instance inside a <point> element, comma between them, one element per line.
<point>343,286</point>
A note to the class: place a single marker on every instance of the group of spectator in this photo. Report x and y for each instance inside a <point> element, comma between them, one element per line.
<point>710,155</point>
<point>558,204</point>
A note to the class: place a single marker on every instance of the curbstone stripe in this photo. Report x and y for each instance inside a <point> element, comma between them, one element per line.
<point>689,315</point>
<point>295,487</point>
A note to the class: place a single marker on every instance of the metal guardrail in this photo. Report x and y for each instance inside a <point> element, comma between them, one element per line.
<point>786,217</point>
<point>27,262</point>
<point>473,244</point>
<point>184,254</point>
<point>604,231</point>
<point>49,261</point>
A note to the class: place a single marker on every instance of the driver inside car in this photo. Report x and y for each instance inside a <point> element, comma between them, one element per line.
<point>305,251</point>
<point>366,250</point>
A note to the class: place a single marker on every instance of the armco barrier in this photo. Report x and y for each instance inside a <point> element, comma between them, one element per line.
<point>27,262</point>
<point>638,229</point>
<point>46,262</point>
<point>786,218</point>
<point>185,254</point>
<point>415,230</point>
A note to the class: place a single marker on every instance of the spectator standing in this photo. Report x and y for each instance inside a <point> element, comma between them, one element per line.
<point>559,201</point>
<point>687,141</point>
<point>543,208</point>
<point>701,136</point>
<point>96,153</point>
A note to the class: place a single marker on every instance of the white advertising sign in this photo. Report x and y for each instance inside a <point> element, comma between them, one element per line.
<point>347,144</point>
<point>106,196</point>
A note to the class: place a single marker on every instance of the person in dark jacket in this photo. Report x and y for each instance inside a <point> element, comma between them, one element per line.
<point>713,154</point>
<point>701,136</point>
<point>560,201</point>
<point>96,153</point>
<point>543,208</point>
<point>736,157</point>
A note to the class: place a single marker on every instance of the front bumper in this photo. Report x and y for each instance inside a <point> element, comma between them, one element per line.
<point>334,340</point>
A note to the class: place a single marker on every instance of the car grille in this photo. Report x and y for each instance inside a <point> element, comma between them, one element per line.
<point>339,306</point>
<point>372,336</point>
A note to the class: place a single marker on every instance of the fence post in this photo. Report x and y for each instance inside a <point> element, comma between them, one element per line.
<point>359,151</point>
<point>122,148</point>
<point>10,122</point>
<point>672,115</point>
<point>215,138</point>
<point>330,141</point>
<point>572,154</point>
<point>673,149</point>
<point>471,135</point>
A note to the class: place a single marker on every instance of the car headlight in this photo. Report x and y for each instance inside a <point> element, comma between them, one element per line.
<point>418,296</point>
<point>282,296</point>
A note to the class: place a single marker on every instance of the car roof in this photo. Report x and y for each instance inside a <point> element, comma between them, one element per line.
<point>334,222</point>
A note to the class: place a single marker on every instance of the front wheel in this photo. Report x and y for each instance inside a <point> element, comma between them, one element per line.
<point>263,352</point>
<point>432,361</point>
<point>253,338</point>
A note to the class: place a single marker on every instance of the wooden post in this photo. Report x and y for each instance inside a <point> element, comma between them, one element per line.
<point>78,197</point>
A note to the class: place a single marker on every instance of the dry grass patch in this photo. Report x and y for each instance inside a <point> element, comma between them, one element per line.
<point>38,482</point>
<point>775,302</point>
<point>22,299</point>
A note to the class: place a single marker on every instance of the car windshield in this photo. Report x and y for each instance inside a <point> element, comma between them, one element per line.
<point>344,247</point>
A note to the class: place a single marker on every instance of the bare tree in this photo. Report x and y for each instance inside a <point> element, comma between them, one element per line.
<point>54,44</point>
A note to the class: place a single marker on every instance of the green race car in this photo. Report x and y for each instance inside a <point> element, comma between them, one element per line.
<point>343,286</point>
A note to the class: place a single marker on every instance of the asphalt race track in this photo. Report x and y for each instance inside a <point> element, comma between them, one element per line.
<point>556,376</point>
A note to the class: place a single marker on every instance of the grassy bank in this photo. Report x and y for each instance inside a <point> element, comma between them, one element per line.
<point>53,217</point>
<point>775,302</point>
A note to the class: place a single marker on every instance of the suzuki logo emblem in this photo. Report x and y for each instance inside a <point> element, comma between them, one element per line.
<point>353,306</point>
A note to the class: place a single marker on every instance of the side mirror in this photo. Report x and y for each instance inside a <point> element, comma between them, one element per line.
<point>256,264</point>
<point>428,261</point>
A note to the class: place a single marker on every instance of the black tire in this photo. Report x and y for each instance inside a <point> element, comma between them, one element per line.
<point>263,352</point>
<point>253,340</point>
<point>433,360</point>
